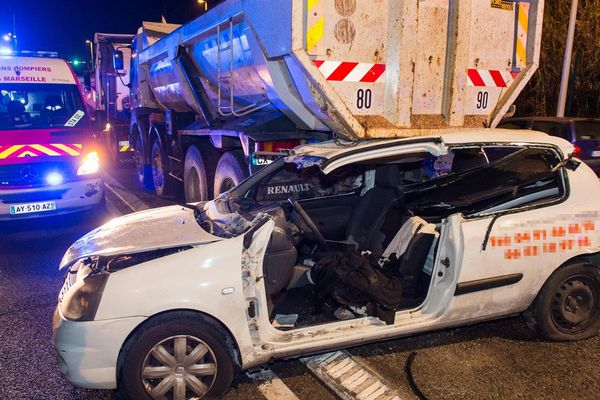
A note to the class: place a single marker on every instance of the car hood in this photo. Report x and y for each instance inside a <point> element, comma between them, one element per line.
<point>153,229</point>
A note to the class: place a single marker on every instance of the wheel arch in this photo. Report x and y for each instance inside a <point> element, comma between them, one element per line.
<point>231,341</point>
<point>590,259</point>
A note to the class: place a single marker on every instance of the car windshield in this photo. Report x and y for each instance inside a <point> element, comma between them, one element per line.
<point>41,106</point>
<point>587,130</point>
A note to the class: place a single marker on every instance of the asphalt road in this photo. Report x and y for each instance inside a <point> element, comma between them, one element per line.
<point>496,360</point>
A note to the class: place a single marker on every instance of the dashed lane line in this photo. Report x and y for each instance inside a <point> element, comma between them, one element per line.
<point>350,378</point>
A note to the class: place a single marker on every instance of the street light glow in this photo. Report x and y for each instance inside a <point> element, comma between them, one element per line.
<point>6,38</point>
<point>203,3</point>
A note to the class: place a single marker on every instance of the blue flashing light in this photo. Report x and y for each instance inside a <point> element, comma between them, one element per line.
<point>54,179</point>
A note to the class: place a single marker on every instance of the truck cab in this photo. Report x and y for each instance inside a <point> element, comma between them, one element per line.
<point>112,98</point>
<point>49,162</point>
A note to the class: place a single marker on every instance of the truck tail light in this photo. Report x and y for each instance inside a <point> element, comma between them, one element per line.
<point>279,146</point>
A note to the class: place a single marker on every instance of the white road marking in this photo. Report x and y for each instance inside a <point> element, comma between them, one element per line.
<point>350,378</point>
<point>129,199</point>
<point>271,386</point>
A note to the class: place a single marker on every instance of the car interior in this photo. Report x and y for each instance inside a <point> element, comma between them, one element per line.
<point>383,219</point>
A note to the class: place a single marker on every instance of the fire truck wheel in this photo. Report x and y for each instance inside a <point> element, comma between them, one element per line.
<point>143,171</point>
<point>231,170</point>
<point>195,180</point>
<point>160,174</point>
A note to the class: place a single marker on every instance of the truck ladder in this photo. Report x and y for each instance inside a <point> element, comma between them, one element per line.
<point>230,110</point>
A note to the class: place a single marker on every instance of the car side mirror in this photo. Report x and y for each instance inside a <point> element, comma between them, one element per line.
<point>572,163</point>
<point>118,62</point>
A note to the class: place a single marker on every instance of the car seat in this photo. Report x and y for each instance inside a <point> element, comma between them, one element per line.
<point>379,212</point>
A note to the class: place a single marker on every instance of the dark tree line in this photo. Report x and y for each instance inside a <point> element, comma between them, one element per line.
<point>540,97</point>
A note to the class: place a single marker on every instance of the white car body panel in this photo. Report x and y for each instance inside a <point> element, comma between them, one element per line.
<point>207,270</point>
<point>147,230</point>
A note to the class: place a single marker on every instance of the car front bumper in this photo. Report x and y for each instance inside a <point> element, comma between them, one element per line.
<point>87,352</point>
<point>69,197</point>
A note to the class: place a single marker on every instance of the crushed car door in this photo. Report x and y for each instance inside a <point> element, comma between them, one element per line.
<point>515,227</point>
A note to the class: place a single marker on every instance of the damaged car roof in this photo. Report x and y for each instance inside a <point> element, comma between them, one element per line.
<point>332,149</point>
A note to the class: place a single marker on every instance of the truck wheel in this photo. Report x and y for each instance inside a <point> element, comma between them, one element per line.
<point>195,179</point>
<point>231,170</point>
<point>143,171</point>
<point>568,306</point>
<point>160,176</point>
<point>176,356</point>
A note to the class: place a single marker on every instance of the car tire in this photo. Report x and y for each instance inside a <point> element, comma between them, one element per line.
<point>568,306</point>
<point>197,174</point>
<point>160,177</point>
<point>231,170</point>
<point>149,358</point>
<point>143,171</point>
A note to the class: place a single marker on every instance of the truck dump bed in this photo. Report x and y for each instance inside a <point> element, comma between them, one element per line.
<point>361,69</point>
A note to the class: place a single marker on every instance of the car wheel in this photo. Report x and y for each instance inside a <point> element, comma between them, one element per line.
<point>160,177</point>
<point>176,356</point>
<point>196,175</point>
<point>568,306</point>
<point>231,170</point>
<point>143,171</point>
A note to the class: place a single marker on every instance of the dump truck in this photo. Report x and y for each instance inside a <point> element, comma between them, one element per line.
<point>219,97</point>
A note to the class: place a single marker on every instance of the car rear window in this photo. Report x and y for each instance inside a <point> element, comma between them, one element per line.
<point>587,130</point>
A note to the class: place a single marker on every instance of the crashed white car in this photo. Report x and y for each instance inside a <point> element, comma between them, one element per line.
<point>411,235</point>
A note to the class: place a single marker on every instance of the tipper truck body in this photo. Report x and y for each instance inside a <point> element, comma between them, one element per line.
<point>220,96</point>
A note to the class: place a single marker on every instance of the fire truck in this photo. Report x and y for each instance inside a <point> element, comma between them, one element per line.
<point>49,162</point>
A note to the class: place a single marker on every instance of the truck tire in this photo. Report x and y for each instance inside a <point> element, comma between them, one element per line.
<point>568,306</point>
<point>177,355</point>
<point>160,175</point>
<point>231,170</point>
<point>196,175</point>
<point>143,171</point>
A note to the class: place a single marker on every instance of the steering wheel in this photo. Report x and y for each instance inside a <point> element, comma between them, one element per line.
<point>308,221</point>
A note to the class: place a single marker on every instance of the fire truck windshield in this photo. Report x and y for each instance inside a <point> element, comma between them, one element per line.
<point>41,106</point>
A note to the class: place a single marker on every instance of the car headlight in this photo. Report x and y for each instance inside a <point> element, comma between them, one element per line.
<point>90,164</point>
<point>81,301</point>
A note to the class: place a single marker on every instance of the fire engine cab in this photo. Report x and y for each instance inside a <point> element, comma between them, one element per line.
<point>49,163</point>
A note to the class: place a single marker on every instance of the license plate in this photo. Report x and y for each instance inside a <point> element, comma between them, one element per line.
<point>596,153</point>
<point>33,207</point>
<point>262,160</point>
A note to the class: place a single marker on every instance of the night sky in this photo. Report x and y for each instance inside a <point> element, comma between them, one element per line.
<point>64,25</point>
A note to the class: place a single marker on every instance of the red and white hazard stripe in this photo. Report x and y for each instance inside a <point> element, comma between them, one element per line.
<point>344,71</point>
<point>490,78</point>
